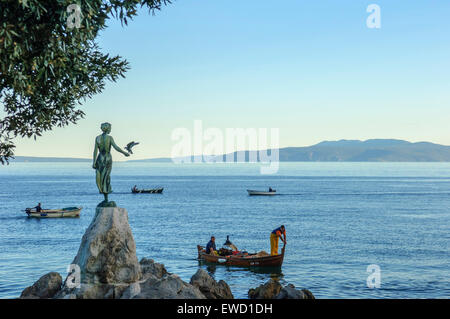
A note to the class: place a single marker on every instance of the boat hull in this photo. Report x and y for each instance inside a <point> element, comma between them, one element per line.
<point>55,213</point>
<point>267,261</point>
<point>260,193</point>
<point>148,191</point>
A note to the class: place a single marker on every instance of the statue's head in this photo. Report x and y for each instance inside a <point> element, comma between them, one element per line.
<point>106,127</point>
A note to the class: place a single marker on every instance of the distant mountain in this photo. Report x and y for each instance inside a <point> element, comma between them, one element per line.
<point>375,150</point>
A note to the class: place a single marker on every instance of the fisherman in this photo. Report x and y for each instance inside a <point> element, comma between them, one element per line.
<point>270,189</point>
<point>211,246</point>
<point>231,245</point>
<point>38,208</point>
<point>135,188</point>
<point>276,233</point>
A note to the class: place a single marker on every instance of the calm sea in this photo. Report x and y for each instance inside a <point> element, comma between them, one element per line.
<point>340,218</point>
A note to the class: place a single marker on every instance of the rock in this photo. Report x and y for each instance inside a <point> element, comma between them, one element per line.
<point>209,287</point>
<point>266,291</point>
<point>148,266</point>
<point>308,294</point>
<point>157,283</point>
<point>116,291</point>
<point>274,290</point>
<point>46,287</point>
<point>167,287</point>
<point>289,292</point>
<point>106,257</point>
<point>133,290</point>
<point>106,267</point>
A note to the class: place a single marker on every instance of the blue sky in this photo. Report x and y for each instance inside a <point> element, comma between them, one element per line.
<point>310,68</point>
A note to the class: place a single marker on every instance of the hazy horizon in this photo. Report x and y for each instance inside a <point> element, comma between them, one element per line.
<point>246,150</point>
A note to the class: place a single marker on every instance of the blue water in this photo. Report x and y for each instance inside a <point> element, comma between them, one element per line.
<point>340,218</point>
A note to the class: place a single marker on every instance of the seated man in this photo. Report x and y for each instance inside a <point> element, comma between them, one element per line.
<point>211,246</point>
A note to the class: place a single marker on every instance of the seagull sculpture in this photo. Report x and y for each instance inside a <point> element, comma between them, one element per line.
<point>130,146</point>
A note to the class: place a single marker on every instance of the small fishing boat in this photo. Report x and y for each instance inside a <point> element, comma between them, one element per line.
<point>54,213</point>
<point>261,193</point>
<point>147,191</point>
<point>244,260</point>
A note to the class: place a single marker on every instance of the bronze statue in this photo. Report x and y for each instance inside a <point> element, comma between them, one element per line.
<point>103,163</point>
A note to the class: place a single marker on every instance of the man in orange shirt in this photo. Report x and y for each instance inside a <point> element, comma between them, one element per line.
<point>276,233</point>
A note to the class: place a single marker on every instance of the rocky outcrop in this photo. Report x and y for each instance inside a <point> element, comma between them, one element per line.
<point>149,267</point>
<point>266,291</point>
<point>290,292</point>
<point>106,267</point>
<point>46,287</point>
<point>170,286</point>
<point>107,253</point>
<point>158,283</point>
<point>209,287</point>
<point>274,290</point>
<point>106,257</point>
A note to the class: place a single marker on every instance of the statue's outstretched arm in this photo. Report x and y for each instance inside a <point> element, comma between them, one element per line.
<point>117,148</point>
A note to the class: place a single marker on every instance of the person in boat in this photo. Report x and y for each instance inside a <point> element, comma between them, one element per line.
<point>38,208</point>
<point>277,233</point>
<point>270,189</point>
<point>231,245</point>
<point>135,188</point>
<point>211,246</point>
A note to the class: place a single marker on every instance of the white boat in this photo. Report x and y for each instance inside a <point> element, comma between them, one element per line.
<point>54,213</point>
<point>261,193</point>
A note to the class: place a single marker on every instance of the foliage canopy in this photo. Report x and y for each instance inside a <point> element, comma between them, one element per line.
<point>48,67</point>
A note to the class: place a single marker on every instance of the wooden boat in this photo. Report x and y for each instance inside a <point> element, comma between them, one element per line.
<point>147,191</point>
<point>250,260</point>
<point>54,213</point>
<point>261,193</point>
